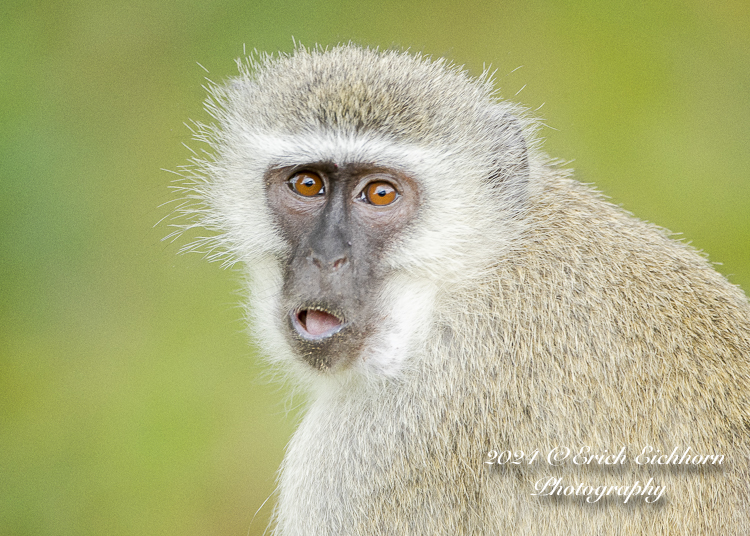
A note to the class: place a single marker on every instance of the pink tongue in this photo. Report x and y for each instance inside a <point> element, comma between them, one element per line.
<point>318,322</point>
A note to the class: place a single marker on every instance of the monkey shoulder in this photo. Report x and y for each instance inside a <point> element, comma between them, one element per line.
<point>599,301</point>
<point>581,244</point>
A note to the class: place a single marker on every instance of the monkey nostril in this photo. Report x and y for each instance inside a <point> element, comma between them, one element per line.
<point>324,265</point>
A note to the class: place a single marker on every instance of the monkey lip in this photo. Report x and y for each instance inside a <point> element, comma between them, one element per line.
<point>315,324</point>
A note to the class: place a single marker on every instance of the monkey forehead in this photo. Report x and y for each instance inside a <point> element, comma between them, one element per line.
<point>285,150</point>
<point>350,90</point>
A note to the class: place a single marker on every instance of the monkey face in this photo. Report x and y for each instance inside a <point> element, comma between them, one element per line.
<point>357,191</point>
<point>339,223</point>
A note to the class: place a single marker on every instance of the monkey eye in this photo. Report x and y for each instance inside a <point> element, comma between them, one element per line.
<point>307,184</point>
<point>379,193</point>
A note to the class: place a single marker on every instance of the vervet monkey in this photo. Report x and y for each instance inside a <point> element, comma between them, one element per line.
<point>445,292</point>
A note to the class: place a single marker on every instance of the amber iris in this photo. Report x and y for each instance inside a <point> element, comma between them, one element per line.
<point>380,193</point>
<point>307,184</point>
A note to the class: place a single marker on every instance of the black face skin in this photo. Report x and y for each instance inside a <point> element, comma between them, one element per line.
<point>340,221</point>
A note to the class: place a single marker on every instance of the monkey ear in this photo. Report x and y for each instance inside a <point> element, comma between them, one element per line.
<point>510,156</point>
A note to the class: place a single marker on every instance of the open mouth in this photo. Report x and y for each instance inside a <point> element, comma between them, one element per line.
<point>316,324</point>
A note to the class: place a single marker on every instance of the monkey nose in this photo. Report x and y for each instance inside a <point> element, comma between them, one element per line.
<point>332,266</point>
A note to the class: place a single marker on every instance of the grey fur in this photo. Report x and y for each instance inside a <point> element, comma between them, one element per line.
<point>529,313</point>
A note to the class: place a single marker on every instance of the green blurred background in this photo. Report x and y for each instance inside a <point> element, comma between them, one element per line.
<point>130,398</point>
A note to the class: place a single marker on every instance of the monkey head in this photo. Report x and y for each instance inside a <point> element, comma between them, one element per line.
<point>340,179</point>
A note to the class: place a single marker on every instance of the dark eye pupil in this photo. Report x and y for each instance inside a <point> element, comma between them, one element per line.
<point>309,182</point>
<point>381,192</point>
